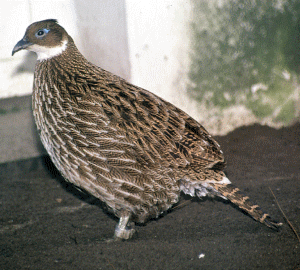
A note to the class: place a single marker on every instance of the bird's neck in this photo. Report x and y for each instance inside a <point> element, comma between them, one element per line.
<point>69,71</point>
<point>45,53</point>
<point>66,53</point>
<point>68,59</point>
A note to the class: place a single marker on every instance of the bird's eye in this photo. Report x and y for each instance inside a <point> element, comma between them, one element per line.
<point>42,32</point>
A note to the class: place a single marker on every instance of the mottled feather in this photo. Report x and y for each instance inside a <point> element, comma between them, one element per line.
<point>121,143</point>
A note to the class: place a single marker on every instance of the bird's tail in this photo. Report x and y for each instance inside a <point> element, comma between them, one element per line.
<point>233,194</point>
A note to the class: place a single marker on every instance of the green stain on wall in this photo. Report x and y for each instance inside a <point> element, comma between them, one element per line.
<point>247,53</point>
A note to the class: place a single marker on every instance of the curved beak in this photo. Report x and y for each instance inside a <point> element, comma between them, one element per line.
<point>21,45</point>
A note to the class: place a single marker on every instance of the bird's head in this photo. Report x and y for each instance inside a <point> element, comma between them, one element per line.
<point>47,38</point>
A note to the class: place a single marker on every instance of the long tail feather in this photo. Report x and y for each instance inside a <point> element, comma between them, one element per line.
<point>233,194</point>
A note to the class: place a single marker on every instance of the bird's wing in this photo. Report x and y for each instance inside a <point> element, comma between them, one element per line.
<point>160,132</point>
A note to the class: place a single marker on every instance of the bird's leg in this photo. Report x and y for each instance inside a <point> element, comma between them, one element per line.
<point>125,228</point>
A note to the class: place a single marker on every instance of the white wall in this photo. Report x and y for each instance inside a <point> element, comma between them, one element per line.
<point>145,42</point>
<point>15,16</point>
<point>159,43</point>
<point>102,28</point>
<point>98,28</point>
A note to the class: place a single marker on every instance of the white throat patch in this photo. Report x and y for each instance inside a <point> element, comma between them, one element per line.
<point>44,53</point>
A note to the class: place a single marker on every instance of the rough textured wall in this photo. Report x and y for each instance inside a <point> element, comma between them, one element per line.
<point>245,62</point>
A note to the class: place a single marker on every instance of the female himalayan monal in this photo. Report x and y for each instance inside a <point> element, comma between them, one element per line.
<point>124,145</point>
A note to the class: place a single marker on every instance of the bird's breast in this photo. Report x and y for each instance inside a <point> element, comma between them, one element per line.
<point>91,152</point>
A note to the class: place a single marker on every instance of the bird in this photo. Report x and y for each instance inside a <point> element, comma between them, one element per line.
<point>129,148</point>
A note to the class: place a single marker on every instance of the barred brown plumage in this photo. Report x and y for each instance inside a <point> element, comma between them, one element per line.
<point>126,146</point>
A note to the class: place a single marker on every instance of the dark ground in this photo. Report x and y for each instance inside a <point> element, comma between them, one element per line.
<point>46,224</point>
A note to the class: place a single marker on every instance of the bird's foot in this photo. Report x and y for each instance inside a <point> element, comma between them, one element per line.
<point>124,230</point>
